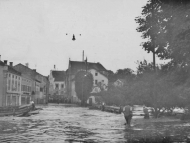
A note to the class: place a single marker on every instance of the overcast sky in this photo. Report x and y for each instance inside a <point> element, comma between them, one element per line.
<point>34,32</point>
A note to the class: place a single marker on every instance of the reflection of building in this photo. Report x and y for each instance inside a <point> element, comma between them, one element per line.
<point>98,72</point>
<point>57,88</point>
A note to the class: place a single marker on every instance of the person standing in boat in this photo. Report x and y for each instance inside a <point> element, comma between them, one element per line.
<point>33,105</point>
<point>146,113</point>
<point>128,113</point>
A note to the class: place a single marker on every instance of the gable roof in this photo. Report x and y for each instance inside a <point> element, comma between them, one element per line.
<point>77,65</point>
<point>122,80</point>
<point>24,69</point>
<point>14,71</point>
<point>59,75</point>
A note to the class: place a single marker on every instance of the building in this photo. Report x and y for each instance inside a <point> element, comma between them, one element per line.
<point>26,89</point>
<point>119,83</point>
<point>10,81</point>
<point>57,87</point>
<point>3,75</point>
<point>39,86</point>
<point>99,73</point>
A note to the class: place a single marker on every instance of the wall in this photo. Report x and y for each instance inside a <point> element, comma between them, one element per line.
<point>99,77</point>
<point>1,85</point>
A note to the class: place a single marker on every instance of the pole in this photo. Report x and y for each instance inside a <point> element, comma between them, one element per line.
<point>82,90</point>
<point>153,39</point>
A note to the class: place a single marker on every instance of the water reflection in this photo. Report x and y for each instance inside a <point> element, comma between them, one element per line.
<point>59,123</point>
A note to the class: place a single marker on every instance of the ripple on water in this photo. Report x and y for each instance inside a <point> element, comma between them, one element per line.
<point>72,124</point>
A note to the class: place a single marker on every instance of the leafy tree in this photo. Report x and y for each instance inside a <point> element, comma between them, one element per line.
<point>83,85</point>
<point>111,76</point>
<point>165,25</point>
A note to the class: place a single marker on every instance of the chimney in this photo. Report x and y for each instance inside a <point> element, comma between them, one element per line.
<point>11,64</point>
<point>83,56</point>
<point>27,64</point>
<point>34,70</point>
<point>54,67</point>
<point>5,62</point>
<point>0,57</point>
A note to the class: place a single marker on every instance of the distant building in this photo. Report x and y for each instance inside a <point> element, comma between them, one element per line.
<point>40,83</point>
<point>119,83</point>
<point>57,88</point>
<point>3,75</point>
<point>98,72</point>
<point>26,89</point>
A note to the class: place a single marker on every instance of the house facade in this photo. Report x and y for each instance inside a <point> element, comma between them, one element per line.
<point>26,89</point>
<point>57,88</point>
<point>3,76</point>
<point>119,83</point>
<point>98,72</point>
<point>10,89</point>
<point>39,83</point>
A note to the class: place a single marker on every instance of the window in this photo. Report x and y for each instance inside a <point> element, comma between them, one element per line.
<point>9,75</point>
<point>96,81</point>
<point>9,84</point>
<point>62,85</point>
<point>16,85</point>
<point>16,77</point>
<point>96,74</point>
<point>12,76</point>
<point>12,84</point>
<point>57,86</point>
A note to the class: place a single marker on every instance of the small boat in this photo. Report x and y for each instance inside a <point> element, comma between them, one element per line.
<point>34,112</point>
<point>15,110</point>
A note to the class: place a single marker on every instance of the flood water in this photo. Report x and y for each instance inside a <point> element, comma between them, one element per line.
<point>67,123</point>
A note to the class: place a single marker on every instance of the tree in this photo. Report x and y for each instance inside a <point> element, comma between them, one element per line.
<point>165,25</point>
<point>111,76</point>
<point>83,85</point>
<point>125,73</point>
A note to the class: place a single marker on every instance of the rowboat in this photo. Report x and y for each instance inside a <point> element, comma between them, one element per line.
<point>15,110</point>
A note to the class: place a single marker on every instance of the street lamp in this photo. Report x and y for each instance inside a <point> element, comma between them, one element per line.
<point>73,36</point>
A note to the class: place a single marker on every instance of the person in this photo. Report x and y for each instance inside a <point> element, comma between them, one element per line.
<point>103,106</point>
<point>146,113</point>
<point>33,106</point>
<point>127,111</point>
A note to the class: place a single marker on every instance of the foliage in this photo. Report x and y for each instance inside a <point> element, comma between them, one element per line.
<point>165,26</point>
<point>164,90</point>
<point>83,85</point>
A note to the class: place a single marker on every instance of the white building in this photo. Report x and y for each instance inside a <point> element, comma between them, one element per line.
<point>57,83</point>
<point>96,69</point>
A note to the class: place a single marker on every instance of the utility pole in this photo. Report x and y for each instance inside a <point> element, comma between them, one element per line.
<point>153,38</point>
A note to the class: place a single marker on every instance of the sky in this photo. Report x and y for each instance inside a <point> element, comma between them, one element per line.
<point>34,32</point>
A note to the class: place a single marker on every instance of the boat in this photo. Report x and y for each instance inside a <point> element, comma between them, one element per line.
<point>15,110</point>
<point>112,109</point>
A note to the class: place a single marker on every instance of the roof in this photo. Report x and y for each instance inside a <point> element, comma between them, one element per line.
<point>122,80</point>
<point>32,71</point>
<point>12,70</point>
<point>76,65</point>
<point>59,75</point>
